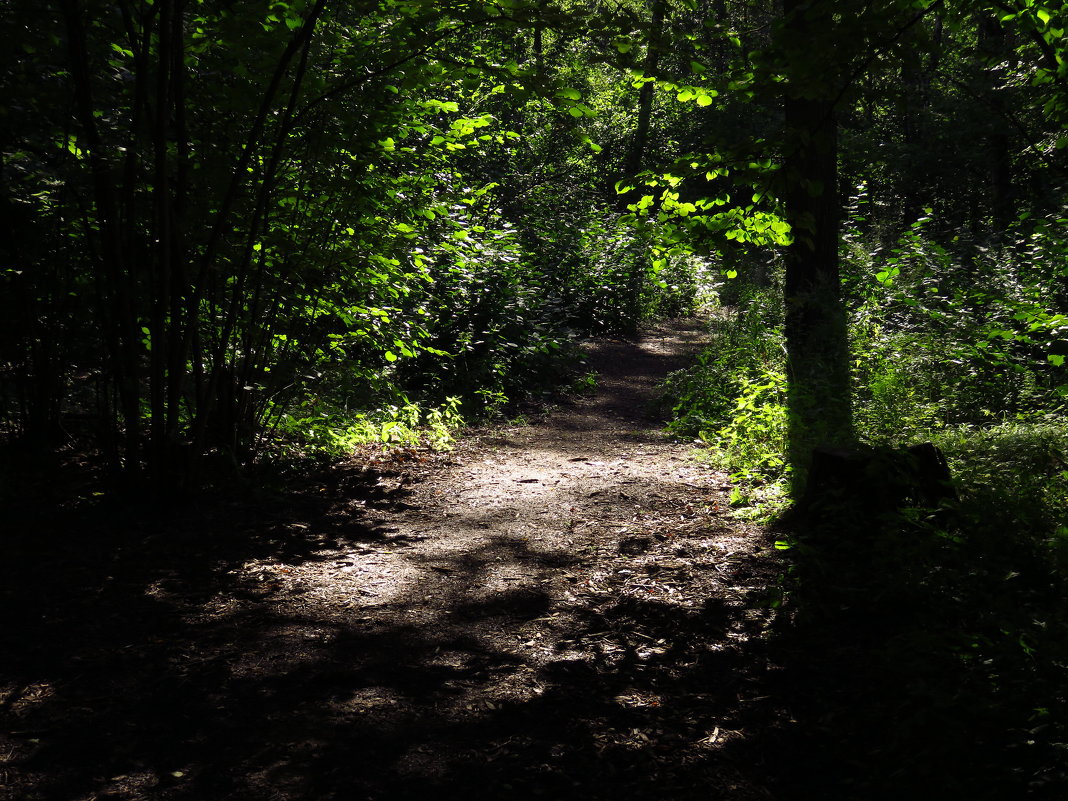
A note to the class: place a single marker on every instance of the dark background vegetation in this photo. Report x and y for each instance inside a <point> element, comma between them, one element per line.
<point>240,233</point>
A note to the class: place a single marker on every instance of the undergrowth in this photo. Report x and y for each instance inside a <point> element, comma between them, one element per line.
<point>733,400</point>
<point>930,649</point>
<point>939,637</point>
<point>333,432</point>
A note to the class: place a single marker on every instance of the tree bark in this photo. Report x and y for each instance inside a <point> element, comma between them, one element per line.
<point>645,95</point>
<point>993,49</point>
<point>915,99</point>
<point>116,307</point>
<point>816,332</point>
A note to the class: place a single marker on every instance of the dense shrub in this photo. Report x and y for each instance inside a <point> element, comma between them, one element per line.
<point>948,620</point>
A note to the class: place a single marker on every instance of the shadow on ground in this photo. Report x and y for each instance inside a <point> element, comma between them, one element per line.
<point>909,669</point>
<point>140,661</point>
<point>139,664</point>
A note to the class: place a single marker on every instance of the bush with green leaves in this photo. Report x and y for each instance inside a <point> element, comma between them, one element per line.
<point>746,344</point>
<point>752,445</point>
<point>733,399</point>
<point>320,430</point>
<point>934,347</point>
<point>964,607</point>
<point>1014,477</point>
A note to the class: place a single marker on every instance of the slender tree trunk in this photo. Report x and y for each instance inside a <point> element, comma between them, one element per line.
<point>539,45</point>
<point>993,48</point>
<point>912,105</point>
<point>178,350</point>
<point>201,287</point>
<point>645,95</point>
<point>116,307</point>
<point>161,266</point>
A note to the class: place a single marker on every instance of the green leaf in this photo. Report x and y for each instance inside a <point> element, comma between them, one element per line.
<point>391,356</point>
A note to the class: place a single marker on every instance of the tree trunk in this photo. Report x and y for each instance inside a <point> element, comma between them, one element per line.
<point>116,304</point>
<point>645,95</point>
<point>994,51</point>
<point>915,100</point>
<point>816,332</point>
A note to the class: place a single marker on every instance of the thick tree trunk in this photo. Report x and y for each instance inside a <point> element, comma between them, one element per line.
<point>816,333</point>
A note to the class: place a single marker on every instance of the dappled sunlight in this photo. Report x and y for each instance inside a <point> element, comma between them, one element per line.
<point>551,601</point>
<point>402,401</point>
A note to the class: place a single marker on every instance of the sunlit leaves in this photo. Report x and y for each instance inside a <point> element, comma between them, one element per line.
<point>703,96</point>
<point>886,277</point>
<point>442,106</point>
<point>1045,24</point>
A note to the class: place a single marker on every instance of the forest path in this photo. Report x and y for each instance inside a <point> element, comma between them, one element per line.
<point>555,610</point>
<point>562,609</point>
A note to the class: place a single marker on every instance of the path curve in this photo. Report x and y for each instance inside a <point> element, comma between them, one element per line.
<point>562,610</point>
<point>545,568</point>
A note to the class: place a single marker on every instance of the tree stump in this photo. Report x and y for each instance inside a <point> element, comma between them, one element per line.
<point>868,486</point>
<point>862,557</point>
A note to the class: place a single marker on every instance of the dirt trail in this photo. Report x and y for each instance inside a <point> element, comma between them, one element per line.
<point>517,510</point>
<point>561,610</point>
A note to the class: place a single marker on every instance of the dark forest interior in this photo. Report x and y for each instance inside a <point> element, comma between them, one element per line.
<point>533,398</point>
